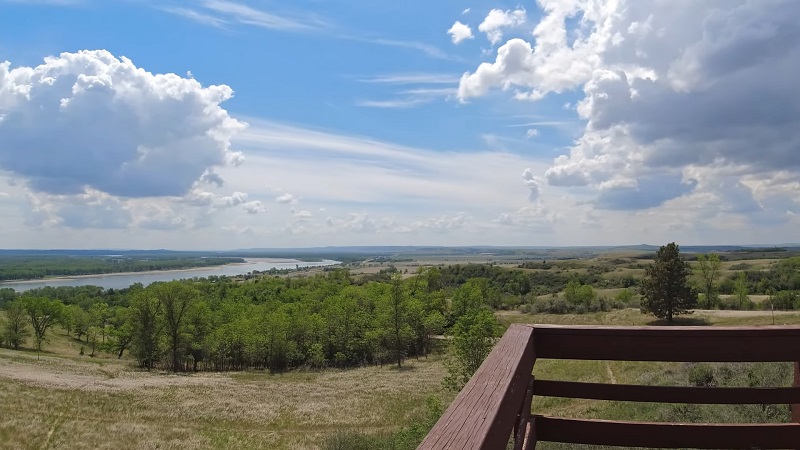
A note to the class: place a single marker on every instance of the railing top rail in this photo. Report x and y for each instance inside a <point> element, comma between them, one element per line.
<point>679,344</point>
<point>547,329</point>
<point>484,412</point>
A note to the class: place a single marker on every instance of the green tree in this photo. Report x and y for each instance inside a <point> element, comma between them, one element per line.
<point>176,300</point>
<point>43,313</point>
<point>146,328</point>
<point>80,321</point>
<point>15,329</point>
<point>474,335</point>
<point>740,291</point>
<point>579,294</point>
<point>665,289</point>
<point>100,314</point>
<point>399,333</point>
<point>469,297</point>
<point>708,269</point>
<point>120,333</point>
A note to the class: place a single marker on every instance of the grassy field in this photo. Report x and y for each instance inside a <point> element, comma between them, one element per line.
<point>653,373</point>
<point>65,401</point>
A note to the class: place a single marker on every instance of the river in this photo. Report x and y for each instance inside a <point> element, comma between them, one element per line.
<point>123,280</point>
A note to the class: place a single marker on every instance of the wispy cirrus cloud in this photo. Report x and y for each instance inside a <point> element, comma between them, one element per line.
<point>47,2</point>
<point>218,13</point>
<point>412,78</point>
<point>196,16</point>
<point>393,103</point>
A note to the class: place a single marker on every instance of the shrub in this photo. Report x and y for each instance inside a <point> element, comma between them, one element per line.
<point>702,375</point>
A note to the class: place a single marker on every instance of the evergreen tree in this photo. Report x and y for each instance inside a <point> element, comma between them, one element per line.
<point>665,289</point>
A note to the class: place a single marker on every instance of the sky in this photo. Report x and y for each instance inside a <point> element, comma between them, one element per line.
<point>223,124</point>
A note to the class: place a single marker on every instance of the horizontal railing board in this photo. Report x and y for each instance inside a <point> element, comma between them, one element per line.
<point>679,344</point>
<point>483,414</point>
<point>667,435</point>
<point>668,394</point>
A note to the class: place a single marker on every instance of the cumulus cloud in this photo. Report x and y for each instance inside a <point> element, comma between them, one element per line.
<point>697,100</point>
<point>531,133</point>
<point>254,207</point>
<point>302,215</point>
<point>89,120</point>
<point>535,216</point>
<point>533,184</point>
<point>90,209</point>
<point>442,224</point>
<point>497,19</point>
<point>286,199</point>
<point>460,32</point>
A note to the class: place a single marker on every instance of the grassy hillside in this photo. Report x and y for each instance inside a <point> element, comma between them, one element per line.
<point>67,401</point>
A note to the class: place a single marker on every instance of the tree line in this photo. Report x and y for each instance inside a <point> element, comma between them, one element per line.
<point>33,267</point>
<point>271,323</point>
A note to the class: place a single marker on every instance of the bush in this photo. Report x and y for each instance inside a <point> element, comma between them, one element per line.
<point>702,375</point>
<point>783,300</point>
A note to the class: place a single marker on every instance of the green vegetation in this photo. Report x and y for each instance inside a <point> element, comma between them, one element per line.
<point>665,289</point>
<point>338,358</point>
<point>17,267</point>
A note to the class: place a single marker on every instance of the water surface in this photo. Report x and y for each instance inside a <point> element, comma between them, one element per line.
<point>123,280</point>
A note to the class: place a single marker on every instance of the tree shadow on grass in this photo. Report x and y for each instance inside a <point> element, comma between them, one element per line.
<point>681,322</point>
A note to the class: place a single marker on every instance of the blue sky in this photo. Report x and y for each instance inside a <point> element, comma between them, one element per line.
<point>359,123</point>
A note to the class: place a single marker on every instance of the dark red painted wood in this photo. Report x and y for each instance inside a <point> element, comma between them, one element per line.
<point>686,344</point>
<point>667,435</point>
<point>667,394</point>
<point>483,414</point>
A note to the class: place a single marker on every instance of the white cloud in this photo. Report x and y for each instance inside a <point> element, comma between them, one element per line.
<point>497,20</point>
<point>531,133</point>
<point>150,135</point>
<point>442,224</point>
<point>413,78</point>
<point>533,183</point>
<point>393,104</point>
<point>248,15</point>
<point>254,207</point>
<point>302,215</point>
<point>286,198</point>
<point>197,16</point>
<point>460,32</point>
<point>696,101</point>
<point>466,11</point>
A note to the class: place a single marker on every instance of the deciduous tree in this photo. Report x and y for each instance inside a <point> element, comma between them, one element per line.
<point>473,337</point>
<point>708,270</point>
<point>15,329</point>
<point>43,313</point>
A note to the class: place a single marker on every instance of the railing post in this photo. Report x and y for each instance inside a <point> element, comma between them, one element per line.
<point>521,429</point>
<point>795,406</point>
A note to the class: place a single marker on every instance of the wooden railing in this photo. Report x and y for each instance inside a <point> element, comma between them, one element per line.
<point>494,406</point>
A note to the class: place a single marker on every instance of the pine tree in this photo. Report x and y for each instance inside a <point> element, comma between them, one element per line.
<point>665,289</point>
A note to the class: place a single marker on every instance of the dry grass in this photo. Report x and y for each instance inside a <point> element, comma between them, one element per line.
<point>66,401</point>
